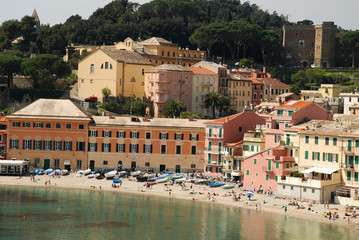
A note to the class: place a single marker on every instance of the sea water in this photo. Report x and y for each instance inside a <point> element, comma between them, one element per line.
<point>50,213</point>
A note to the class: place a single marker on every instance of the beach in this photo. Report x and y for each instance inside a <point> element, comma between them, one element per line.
<point>193,192</point>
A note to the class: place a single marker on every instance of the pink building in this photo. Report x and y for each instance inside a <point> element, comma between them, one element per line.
<point>165,82</point>
<point>263,169</point>
<point>3,134</point>
<point>221,131</point>
<point>289,114</point>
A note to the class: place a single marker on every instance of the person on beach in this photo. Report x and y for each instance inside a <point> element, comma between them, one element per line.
<point>285,209</point>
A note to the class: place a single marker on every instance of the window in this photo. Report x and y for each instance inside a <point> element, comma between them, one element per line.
<point>48,125</point>
<point>327,141</point>
<point>37,144</point>
<point>193,150</point>
<point>178,136</point>
<point>240,129</point>
<point>163,149</point>
<point>106,65</point>
<point>81,126</point>
<point>163,135</point>
<point>306,153</point>
<point>105,162</point>
<point>178,149</point>
<point>78,164</point>
<point>134,148</point>
<point>349,175</point>
<point>267,177</point>
<point>121,134</point>
<point>277,165</point>
<point>121,147</point>
<point>279,112</point>
<point>37,162</point>
<point>247,172</point>
<point>255,161</point>
<point>26,124</point>
<point>106,134</point>
<point>80,146</point>
<point>210,132</point>
<point>68,146</point>
<point>193,165</point>
<point>148,135</point>
<point>304,189</point>
<point>147,148</point>
<point>193,137</point>
<point>290,113</point>
<point>356,143</point>
<point>26,144</point>
<point>56,163</point>
<point>93,133</point>
<point>306,139</point>
<point>356,176</point>
<point>220,132</point>
<point>93,147</point>
<point>335,157</point>
<point>58,125</point>
<point>47,145</point>
<point>68,125</point>
<point>106,147</point>
<point>316,140</point>
<point>38,125</point>
<point>316,156</point>
<point>57,145</point>
<point>133,134</point>
<point>335,141</point>
<point>92,69</point>
<point>147,164</point>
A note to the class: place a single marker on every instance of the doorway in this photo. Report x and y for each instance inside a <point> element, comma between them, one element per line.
<point>162,168</point>
<point>178,168</point>
<point>119,165</point>
<point>332,197</point>
<point>133,166</point>
<point>46,163</point>
<point>92,165</point>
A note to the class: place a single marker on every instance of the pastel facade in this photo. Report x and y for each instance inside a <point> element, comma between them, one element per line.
<point>232,160</point>
<point>221,131</point>
<point>351,102</point>
<point>160,51</point>
<point>240,92</point>
<point>50,133</point>
<point>121,71</point>
<point>140,143</point>
<point>3,137</point>
<point>165,82</point>
<point>204,81</point>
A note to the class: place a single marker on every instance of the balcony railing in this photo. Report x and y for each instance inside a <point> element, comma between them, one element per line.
<point>206,84</point>
<point>214,136</point>
<point>347,166</point>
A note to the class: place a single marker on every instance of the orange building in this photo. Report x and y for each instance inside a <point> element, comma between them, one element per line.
<point>50,133</point>
<point>141,143</point>
<point>3,133</point>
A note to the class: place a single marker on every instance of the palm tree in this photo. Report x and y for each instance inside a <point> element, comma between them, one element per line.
<point>225,102</point>
<point>173,108</point>
<point>213,100</point>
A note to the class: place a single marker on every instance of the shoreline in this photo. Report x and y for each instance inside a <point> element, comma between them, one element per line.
<point>131,186</point>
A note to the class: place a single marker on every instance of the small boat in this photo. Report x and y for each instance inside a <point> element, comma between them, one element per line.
<point>79,175</point>
<point>135,173</point>
<point>97,175</point>
<point>91,175</point>
<point>214,185</point>
<point>205,182</point>
<point>227,186</point>
<point>39,171</point>
<point>110,174</point>
<point>64,172</point>
<point>57,172</point>
<point>80,172</point>
<point>122,173</point>
<point>191,180</point>
<point>87,171</point>
<point>161,180</point>
<point>177,176</point>
<point>117,181</point>
<point>49,170</point>
<point>52,173</point>
<point>180,180</point>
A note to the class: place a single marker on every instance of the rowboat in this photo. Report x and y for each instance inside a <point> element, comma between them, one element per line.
<point>117,181</point>
<point>214,185</point>
<point>91,175</point>
<point>135,173</point>
<point>110,174</point>
<point>64,172</point>
<point>47,171</point>
<point>180,180</point>
<point>87,171</point>
<point>161,180</point>
<point>57,171</point>
<point>39,171</point>
<point>227,186</point>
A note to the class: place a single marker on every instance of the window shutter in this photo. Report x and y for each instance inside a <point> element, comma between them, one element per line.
<point>144,147</point>
<point>109,147</point>
<point>102,147</point>
<point>88,146</point>
<point>190,136</point>
<point>151,148</point>
<point>42,125</point>
<point>23,144</point>
<point>323,156</point>
<point>41,145</point>
<point>312,155</point>
<point>175,136</point>
<point>124,147</point>
<point>160,136</point>
<point>118,134</point>
<point>137,149</point>
<point>96,133</point>
<point>130,147</point>
<point>130,134</point>
<point>96,147</point>
<point>53,145</point>
<point>89,133</point>
<point>30,144</point>
<point>110,133</point>
<point>103,133</point>
<point>70,146</point>
<point>124,134</point>
<point>197,137</point>
<point>182,136</point>
<point>33,124</point>
<point>116,147</point>
<point>166,135</point>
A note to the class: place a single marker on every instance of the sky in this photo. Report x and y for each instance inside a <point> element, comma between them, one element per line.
<point>342,12</point>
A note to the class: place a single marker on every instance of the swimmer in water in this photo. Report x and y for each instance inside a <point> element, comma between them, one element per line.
<point>60,208</point>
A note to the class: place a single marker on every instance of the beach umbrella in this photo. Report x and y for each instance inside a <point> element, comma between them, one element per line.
<point>249,194</point>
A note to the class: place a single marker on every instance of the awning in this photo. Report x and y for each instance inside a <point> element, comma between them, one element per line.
<point>236,174</point>
<point>13,162</point>
<point>67,162</point>
<point>321,170</point>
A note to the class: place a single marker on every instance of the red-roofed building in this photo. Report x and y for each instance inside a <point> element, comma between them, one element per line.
<point>204,81</point>
<point>3,134</point>
<point>221,131</point>
<point>233,154</point>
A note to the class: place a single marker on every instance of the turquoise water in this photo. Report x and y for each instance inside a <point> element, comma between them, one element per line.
<point>98,215</point>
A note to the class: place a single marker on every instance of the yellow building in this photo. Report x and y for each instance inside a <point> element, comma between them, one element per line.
<point>240,92</point>
<point>160,51</point>
<point>325,91</point>
<point>121,71</point>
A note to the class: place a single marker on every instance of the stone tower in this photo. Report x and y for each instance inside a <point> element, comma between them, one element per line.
<point>37,20</point>
<point>324,52</point>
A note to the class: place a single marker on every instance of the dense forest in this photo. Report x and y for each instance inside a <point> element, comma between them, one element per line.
<point>228,29</point>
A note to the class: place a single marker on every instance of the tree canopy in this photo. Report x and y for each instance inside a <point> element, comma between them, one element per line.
<point>173,108</point>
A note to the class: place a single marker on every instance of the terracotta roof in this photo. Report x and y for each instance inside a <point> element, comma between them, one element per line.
<point>224,119</point>
<point>273,82</point>
<point>122,55</point>
<point>294,104</point>
<point>3,119</point>
<point>234,142</point>
<point>237,77</point>
<point>200,70</point>
<point>157,41</point>
<point>255,81</point>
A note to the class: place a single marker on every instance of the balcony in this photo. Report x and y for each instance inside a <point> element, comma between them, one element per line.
<point>313,183</point>
<point>266,169</point>
<point>206,84</point>
<point>347,166</point>
<point>210,150</point>
<point>348,150</point>
<point>216,136</point>
<point>214,163</point>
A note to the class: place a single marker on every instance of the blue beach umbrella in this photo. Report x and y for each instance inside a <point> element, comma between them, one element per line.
<point>249,194</point>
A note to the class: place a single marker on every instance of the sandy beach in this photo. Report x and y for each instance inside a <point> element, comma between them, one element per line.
<point>193,193</point>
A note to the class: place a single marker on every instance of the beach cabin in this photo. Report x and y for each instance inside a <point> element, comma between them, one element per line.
<point>14,167</point>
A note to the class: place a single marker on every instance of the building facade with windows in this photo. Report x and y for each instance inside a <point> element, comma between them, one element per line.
<point>3,137</point>
<point>240,92</point>
<point>121,71</point>
<point>140,143</point>
<point>50,133</point>
<point>165,82</point>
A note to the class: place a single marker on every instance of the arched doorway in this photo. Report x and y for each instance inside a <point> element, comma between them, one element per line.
<point>305,64</point>
<point>119,165</point>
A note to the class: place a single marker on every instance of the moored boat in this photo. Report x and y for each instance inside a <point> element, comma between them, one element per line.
<point>214,185</point>
<point>48,171</point>
<point>135,173</point>
<point>87,171</point>
<point>64,172</point>
<point>40,171</point>
<point>117,180</point>
<point>110,174</point>
<point>161,180</point>
<point>91,175</point>
<point>178,180</point>
<point>227,186</point>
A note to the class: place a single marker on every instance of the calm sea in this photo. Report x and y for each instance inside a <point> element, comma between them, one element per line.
<point>82,214</point>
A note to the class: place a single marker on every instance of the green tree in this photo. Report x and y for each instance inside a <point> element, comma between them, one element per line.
<point>173,108</point>
<point>9,31</point>
<point>268,38</point>
<point>305,22</point>
<point>112,106</point>
<point>106,93</point>
<point>44,70</point>
<point>351,39</point>
<point>10,63</point>
<point>225,102</point>
<point>135,107</point>
<point>247,62</point>
<point>213,100</point>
